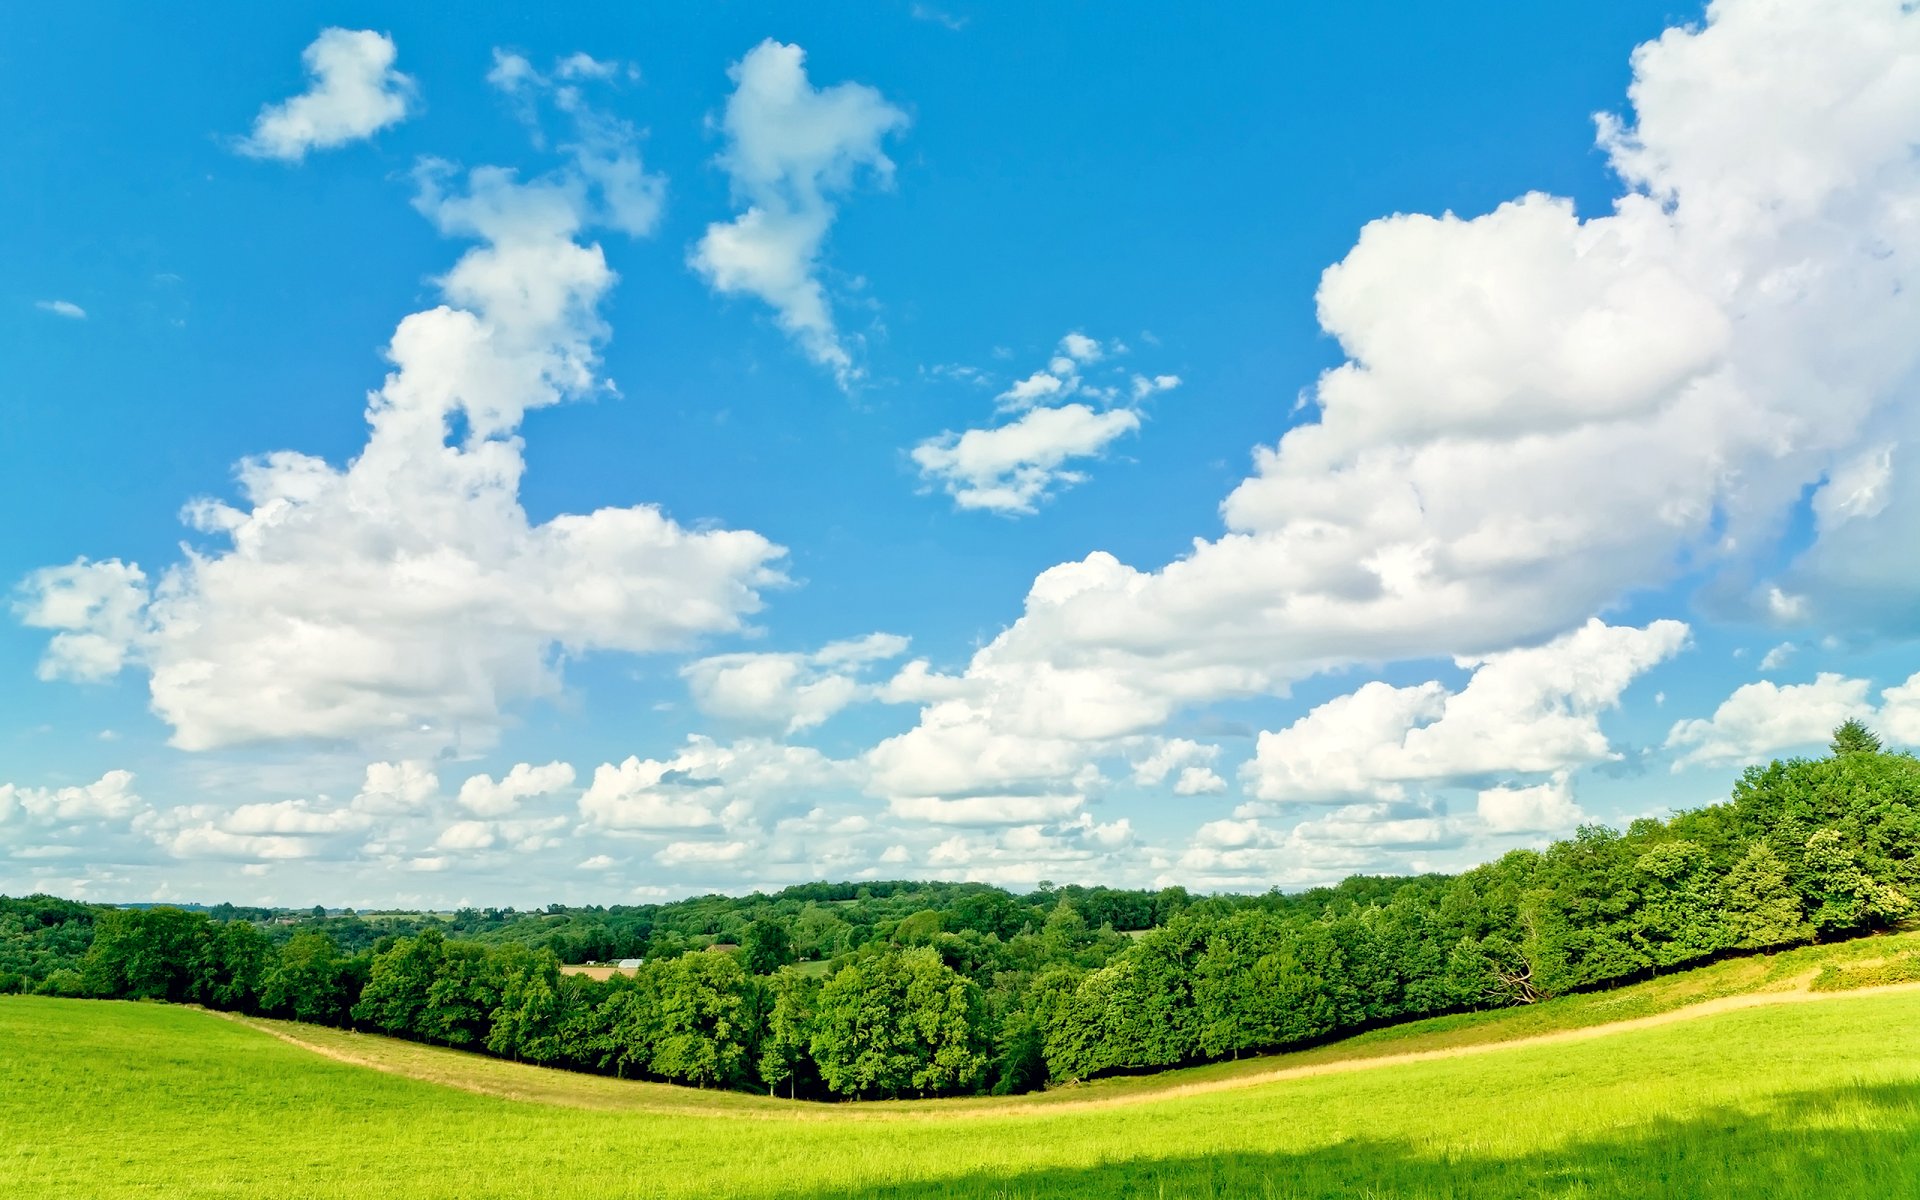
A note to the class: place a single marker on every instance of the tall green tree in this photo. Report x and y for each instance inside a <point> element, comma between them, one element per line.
<point>704,1036</point>
<point>783,1051</point>
<point>309,981</point>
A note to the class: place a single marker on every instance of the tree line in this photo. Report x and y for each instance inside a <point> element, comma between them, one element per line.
<point>1002,993</point>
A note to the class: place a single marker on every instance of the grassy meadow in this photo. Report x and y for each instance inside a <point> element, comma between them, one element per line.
<point>1791,1099</point>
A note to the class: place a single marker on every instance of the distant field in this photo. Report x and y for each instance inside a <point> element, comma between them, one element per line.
<point>594,972</point>
<point>1815,1097</point>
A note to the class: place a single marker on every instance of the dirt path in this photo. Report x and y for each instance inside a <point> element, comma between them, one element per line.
<point>631,1100</point>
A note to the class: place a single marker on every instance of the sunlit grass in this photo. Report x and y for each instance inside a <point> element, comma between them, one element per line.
<point>114,1099</point>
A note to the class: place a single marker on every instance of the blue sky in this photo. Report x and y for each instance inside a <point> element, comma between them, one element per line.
<point>1109,445</point>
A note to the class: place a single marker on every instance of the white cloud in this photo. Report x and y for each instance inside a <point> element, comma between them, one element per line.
<point>482,796</point>
<point>1543,808</point>
<point>293,817</point>
<point>1522,712</point>
<point>62,308</point>
<point>1011,468</point>
<point>792,150</point>
<point>1899,715</point>
<point>1168,755</point>
<point>788,692</point>
<point>110,797</point>
<point>707,785</point>
<point>1062,415</point>
<point>1761,718</point>
<point>678,854</point>
<point>1738,326</point>
<point>406,597</point>
<point>396,788</point>
<point>355,93</point>
<point>1777,657</point>
<point>1198,781</point>
<point>96,606</point>
<point>1143,386</point>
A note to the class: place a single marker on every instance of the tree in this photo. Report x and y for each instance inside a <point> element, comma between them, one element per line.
<point>464,992</point>
<point>768,946</point>
<point>898,1021</point>
<point>159,953</point>
<point>1852,736</point>
<point>241,956</point>
<point>308,982</point>
<point>783,1052</point>
<point>1762,907</point>
<point>399,991</point>
<point>527,1021</point>
<point>703,1033</point>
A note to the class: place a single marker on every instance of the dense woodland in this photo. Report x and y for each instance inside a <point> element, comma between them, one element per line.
<point>905,989</point>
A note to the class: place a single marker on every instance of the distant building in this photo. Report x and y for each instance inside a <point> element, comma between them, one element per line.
<point>628,964</point>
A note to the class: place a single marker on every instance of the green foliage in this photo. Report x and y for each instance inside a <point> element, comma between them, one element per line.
<point>705,1021</point>
<point>310,982</point>
<point>768,946</point>
<point>1853,737</point>
<point>943,988</point>
<point>896,1023</point>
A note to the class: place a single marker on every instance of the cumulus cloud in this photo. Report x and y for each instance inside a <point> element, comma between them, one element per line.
<point>1760,718</point>
<point>396,787</point>
<point>353,94</point>
<point>792,151</point>
<point>109,797</point>
<point>1737,326</point>
<point>788,692</point>
<point>707,785</point>
<point>1542,808</point>
<point>1167,755</point>
<point>1011,468</point>
<point>483,796</point>
<point>406,596</point>
<point>1522,712</point>
<point>62,308</point>
<point>97,609</point>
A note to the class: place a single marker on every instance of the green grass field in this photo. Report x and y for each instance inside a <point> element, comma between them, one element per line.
<point>1817,1098</point>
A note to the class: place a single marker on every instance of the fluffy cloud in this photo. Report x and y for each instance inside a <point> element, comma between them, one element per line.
<point>792,150</point>
<point>1738,327</point>
<point>396,787</point>
<point>1078,850</point>
<point>1012,467</point>
<point>706,785</point>
<point>1760,718</point>
<point>110,797</point>
<point>788,692</point>
<point>1899,715</point>
<point>406,596</point>
<point>483,796</point>
<point>1543,808</point>
<point>1168,755</point>
<point>62,308</point>
<point>1523,711</point>
<point>98,609</point>
<point>355,93</point>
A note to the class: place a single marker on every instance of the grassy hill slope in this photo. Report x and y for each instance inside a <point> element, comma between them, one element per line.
<point>1818,1098</point>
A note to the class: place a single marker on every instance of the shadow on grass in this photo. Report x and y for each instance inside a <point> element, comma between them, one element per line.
<point>1856,1141</point>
